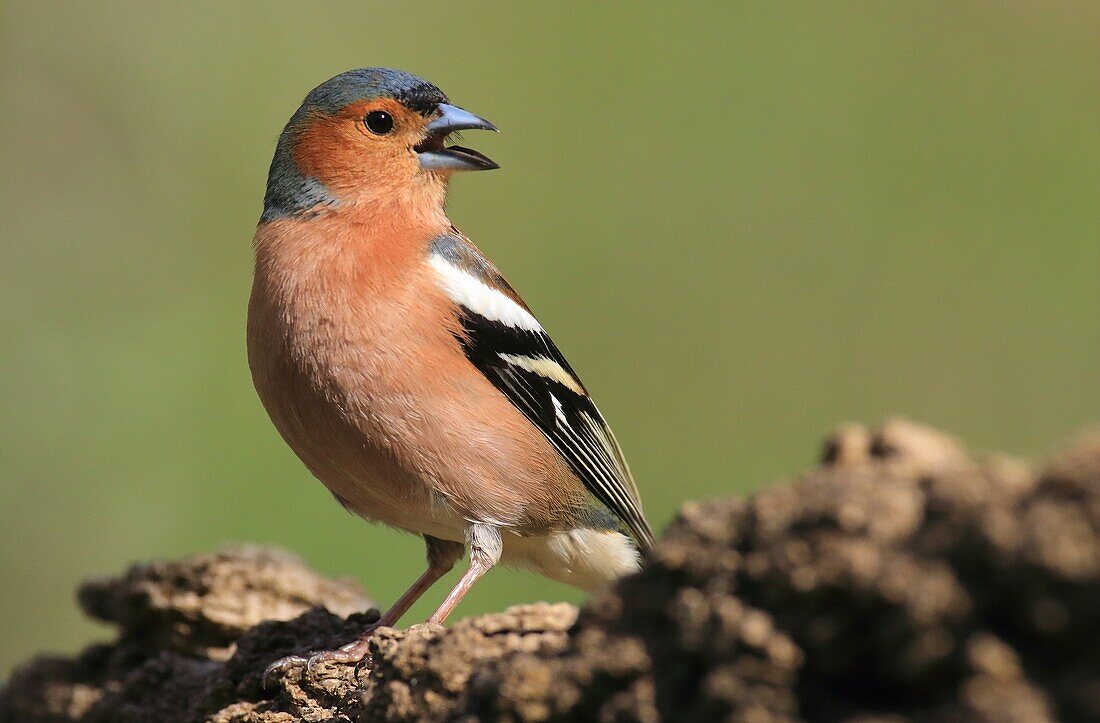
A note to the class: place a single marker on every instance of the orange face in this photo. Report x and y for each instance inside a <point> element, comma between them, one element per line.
<point>368,148</point>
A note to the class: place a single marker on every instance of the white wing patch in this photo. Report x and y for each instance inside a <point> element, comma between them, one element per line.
<point>559,411</point>
<point>466,290</point>
<point>545,368</point>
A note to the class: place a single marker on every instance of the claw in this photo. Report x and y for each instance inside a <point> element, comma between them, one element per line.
<point>280,667</point>
<point>353,652</point>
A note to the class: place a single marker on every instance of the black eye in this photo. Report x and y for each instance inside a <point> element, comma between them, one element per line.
<point>379,122</point>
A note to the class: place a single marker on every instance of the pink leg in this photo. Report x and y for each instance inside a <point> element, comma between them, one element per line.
<point>440,562</point>
<point>485,549</point>
<point>442,555</point>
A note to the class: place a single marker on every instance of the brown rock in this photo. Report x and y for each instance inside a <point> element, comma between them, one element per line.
<point>901,581</point>
<point>203,603</point>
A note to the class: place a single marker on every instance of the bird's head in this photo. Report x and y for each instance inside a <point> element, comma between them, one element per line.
<point>372,135</point>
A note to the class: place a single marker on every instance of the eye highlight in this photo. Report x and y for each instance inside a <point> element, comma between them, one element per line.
<point>379,122</point>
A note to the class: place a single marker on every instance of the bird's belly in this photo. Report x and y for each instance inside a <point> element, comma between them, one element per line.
<point>371,484</point>
<point>381,404</point>
<point>354,464</point>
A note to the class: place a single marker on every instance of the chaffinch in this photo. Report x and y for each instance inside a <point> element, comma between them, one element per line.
<point>405,372</point>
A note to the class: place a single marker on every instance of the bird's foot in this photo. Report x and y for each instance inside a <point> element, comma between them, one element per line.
<point>353,652</point>
<point>280,667</point>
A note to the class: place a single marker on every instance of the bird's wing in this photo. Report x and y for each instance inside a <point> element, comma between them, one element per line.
<point>509,346</point>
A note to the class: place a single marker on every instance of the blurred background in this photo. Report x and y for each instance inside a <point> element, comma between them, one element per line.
<point>744,225</point>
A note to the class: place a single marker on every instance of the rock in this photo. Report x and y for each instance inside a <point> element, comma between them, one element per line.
<point>903,580</point>
<point>203,603</point>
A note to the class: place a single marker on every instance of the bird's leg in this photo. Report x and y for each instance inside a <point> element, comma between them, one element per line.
<point>485,550</point>
<point>442,555</point>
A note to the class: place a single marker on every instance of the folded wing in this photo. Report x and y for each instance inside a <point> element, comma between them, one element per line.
<point>509,346</point>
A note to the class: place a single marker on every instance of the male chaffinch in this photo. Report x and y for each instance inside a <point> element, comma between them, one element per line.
<point>405,372</point>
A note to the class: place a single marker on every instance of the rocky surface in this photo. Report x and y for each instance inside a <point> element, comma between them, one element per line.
<point>902,580</point>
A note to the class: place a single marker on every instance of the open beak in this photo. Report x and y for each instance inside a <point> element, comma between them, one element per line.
<point>435,155</point>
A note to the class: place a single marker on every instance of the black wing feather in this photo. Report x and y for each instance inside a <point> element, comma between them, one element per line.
<point>564,413</point>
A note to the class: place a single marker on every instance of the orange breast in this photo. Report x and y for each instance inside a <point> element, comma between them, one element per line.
<point>352,349</point>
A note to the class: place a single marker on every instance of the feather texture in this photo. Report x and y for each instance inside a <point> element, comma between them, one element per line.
<point>506,343</point>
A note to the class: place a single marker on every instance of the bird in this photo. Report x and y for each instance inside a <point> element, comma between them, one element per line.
<point>403,369</point>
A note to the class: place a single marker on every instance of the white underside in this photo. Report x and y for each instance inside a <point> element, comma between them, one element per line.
<point>584,558</point>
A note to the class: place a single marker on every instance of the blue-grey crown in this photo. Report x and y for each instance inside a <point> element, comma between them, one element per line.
<point>288,191</point>
<point>362,83</point>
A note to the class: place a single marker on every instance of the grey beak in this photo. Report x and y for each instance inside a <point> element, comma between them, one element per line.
<point>452,118</point>
<point>434,156</point>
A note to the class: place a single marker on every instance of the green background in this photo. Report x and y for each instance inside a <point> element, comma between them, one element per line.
<point>743,224</point>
